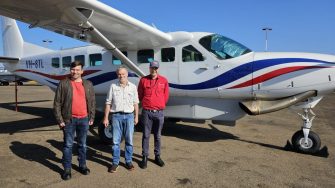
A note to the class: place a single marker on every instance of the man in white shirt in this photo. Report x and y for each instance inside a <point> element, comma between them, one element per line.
<point>122,102</point>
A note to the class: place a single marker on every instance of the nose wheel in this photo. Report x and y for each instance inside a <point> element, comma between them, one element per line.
<point>306,141</point>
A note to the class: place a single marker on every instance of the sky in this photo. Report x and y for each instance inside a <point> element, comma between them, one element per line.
<point>297,25</point>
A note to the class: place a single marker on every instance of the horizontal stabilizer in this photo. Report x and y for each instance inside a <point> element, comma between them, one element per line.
<point>9,59</point>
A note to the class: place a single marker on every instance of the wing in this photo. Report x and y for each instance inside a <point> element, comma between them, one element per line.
<point>57,15</point>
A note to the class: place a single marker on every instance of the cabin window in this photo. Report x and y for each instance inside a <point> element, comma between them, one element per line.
<point>55,62</point>
<point>66,61</point>
<point>80,58</point>
<point>223,47</point>
<point>168,54</point>
<point>189,54</point>
<point>116,60</point>
<point>95,59</point>
<point>145,56</point>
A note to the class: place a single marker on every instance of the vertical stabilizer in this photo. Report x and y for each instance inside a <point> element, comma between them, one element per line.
<point>12,38</point>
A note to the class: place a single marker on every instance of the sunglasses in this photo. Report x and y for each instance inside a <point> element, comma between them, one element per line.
<point>155,68</point>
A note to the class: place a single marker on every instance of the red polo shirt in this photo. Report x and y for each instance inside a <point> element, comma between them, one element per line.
<point>154,93</point>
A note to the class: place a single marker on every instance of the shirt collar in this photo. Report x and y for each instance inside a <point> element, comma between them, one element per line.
<point>119,84</point>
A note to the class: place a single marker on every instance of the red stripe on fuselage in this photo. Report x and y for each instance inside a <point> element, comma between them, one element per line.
<point>273,74</point>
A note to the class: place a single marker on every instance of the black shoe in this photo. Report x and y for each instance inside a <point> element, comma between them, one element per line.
<point>159,161</point>
<point>67,174</point>
<point>113,168</point>
<point>143,163</point>
<point>84,170</point>
<point>130,166</point>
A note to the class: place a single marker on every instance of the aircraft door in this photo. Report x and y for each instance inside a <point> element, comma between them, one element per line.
<point>195,71</point>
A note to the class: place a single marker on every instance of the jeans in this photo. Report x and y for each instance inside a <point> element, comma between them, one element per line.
<point>80,127</point>
<point>155,121</point>
<point>123,125</point>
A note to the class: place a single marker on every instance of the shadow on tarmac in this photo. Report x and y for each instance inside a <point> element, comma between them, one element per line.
<point>95,148</point>
<point>37,153</point>
<point>200,134</point>
<point>95,153</point>
<point>45,118</point>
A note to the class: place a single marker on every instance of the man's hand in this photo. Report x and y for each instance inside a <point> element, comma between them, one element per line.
<point>135,120</point>
<point>105,122</point>
<point>61,125</point>
<point>90,122</point>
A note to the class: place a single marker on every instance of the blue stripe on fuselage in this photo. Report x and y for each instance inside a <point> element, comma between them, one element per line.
<point>241,71</point>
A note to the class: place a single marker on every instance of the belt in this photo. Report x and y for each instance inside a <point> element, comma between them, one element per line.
<point>122,112</point>
<point>154,111</point>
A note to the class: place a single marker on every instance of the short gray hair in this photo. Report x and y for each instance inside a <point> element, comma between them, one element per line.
<point>121,67</point>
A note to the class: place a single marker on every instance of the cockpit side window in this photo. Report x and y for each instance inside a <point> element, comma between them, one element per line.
<point>190,53</point>
<point>223,47</point>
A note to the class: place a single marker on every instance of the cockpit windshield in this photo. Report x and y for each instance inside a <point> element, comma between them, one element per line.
<point>223,47</point>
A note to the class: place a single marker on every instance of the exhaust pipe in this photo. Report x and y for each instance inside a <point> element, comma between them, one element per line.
<point>257,107</point>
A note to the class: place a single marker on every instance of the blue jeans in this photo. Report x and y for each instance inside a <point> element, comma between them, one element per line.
<point>80,127</point>
<point>123,125</point>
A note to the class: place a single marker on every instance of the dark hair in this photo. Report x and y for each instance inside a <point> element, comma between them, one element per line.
<point>77,63</point>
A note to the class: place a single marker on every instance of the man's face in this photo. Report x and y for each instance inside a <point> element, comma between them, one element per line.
<point>122,74</point>
<point>76,72</point>
<point>153,71</point>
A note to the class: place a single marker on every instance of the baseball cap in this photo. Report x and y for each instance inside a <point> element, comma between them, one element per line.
<point>154,64</point>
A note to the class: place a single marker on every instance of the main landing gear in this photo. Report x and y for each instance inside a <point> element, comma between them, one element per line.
<point>305,140</point>
<point>105,133</point>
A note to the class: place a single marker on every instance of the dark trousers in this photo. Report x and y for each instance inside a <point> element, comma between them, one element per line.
<point>152,120</point>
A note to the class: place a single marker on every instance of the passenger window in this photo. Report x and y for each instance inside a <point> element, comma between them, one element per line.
<point>55,62</point>
<point>80,58</point>
<point>145,56</point>
<point>95,59</point>
<point>116,60</point>
<point>66,61</point>
<point>168,54</point>
<point>189,53</point>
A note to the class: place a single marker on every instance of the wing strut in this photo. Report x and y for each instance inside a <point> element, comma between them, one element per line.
<point>87,26</point>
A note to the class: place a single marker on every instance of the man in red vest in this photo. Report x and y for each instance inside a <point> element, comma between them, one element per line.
<point>74,109</point>
<point>153,92</point>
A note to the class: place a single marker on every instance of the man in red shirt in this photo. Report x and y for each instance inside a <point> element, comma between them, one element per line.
<point>153,92</point>
<point>74,109</point>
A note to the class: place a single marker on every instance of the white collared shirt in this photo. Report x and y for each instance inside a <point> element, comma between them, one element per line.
<point>122,99</point>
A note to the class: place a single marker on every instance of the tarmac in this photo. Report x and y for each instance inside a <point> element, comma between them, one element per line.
<point>254,153</point>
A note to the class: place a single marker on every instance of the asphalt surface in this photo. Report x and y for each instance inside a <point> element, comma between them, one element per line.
<point>254,153</point>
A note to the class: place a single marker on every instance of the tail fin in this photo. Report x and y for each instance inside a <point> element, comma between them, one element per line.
<point>12,38</point>
<point>13,44</point>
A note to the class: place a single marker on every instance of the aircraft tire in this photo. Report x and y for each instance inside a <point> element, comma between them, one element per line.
<point>105,133</point>
<point>313,146</point>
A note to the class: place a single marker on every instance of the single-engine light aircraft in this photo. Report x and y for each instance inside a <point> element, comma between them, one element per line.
<point>210,75</point>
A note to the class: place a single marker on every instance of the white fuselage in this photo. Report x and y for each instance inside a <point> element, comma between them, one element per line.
<point>206,89</point>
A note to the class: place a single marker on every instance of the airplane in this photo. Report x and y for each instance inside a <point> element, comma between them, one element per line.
<point>210,76</point>
<point>7,77</point>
